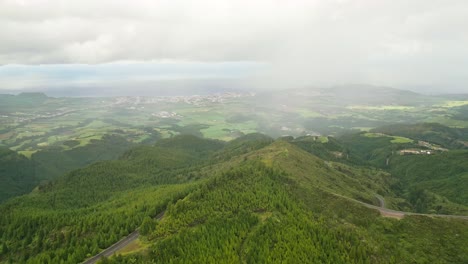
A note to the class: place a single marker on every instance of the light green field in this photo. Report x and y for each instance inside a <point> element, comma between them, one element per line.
<point>453,104</point>
<point>307,113</point>
<point>382,107</point>
<point>27,153</point>
<point>395,139</point>
<point>133,247</point>
<point>323,139</point>
<point>86,138</point>
<point>92,118</point>
<point>217,132</point>
<point>26,134</point>
<point>401,140</point>
<point>363,128</point>
<point>374,135</point>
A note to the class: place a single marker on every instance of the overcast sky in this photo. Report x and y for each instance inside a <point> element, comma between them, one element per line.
<point>411,44</point>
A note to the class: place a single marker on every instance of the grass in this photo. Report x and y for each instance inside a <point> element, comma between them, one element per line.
<point>217,131</point>
<point>401,140</point>
<point>27,153</point>
<point>363,128</point>
<point>76,125</point>
<point>380,108</point>
<point>307,113</point>
<point>447,122</point>
<point>322,139</point>
<point>133,247</point>
<point>395,139</point>
<point>449,104</point>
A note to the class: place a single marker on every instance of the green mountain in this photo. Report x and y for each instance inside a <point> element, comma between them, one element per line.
<point>22,101</point>
<point>251,200</point>
<point>20,175</point>
<point>53,162</point>
<point>434,183</point>
<point>375,95</point>
<point>436,133</point>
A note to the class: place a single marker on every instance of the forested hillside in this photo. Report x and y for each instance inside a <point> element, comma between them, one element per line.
<point>20,175</point>
<point>53,162</point>
<point>16,174</point>
<point>433,183</point>
<point>429,183</point>
<point>433,132</point>
<point>252,200</point>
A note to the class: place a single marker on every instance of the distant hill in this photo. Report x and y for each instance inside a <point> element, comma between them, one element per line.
<point>432,132</point>
<point>31,95</point>
<point>20,175</point>
<point>53,162</point>
<point>375,95</point>
<point>429,183</point>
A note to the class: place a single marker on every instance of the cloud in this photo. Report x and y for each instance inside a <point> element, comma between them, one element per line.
<point>316,42</point>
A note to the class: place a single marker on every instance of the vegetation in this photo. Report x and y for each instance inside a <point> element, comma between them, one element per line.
<point>96,169</point>
<point>251,200</point>
<point>16,174</point>
<point>432,132</point>
<point>434,183</point>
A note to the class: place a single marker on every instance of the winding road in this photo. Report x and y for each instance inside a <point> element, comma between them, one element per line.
<point>398,214</point>
<point>381,208</point>
<point>119,245</point>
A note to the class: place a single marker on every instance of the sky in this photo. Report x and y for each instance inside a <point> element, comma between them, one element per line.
<point>116,46</point>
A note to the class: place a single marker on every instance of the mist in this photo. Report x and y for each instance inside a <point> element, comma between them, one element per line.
<point>62,47</point>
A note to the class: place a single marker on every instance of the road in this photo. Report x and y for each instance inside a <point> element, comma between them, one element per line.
<point>398,214</point>
<point>384,211</point>
<point>381,200</point>
<point>119,245</point>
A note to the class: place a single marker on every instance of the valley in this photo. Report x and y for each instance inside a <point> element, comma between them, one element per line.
<point>237,132</point>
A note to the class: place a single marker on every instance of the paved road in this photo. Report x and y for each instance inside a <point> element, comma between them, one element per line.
<point>114,248</point>
<point>384,211</point>
<point>398,214</point>
<point>381,200</point>
<point>119,245</point>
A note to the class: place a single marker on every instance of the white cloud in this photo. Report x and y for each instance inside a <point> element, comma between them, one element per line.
<point>389,42</point>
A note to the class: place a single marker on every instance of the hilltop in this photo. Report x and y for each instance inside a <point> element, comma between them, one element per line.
<point>253,199</point>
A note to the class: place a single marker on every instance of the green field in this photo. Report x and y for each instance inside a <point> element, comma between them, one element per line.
<point>453,103</point>
<point>395,139</point>
<point>49,123</point>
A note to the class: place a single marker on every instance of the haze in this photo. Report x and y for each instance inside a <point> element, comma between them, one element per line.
<point>123,47</point>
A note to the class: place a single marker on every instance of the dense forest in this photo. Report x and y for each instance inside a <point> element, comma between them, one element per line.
<point>19,175</point>
<point>16,174</point>
<point>250,200</point>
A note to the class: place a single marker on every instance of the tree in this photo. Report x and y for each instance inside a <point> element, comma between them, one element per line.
<point>4,248</point>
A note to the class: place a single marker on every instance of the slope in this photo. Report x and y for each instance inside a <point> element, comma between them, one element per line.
<point>263,210</point>
<point>52,162</point>
<point>70,218</point>
<point>266,203</point>
<point>434,183</point>
<point>16,174</point>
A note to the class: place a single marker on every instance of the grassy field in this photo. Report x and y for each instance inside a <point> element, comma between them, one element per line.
<point>453,103</point>
<point>135,246</point>
<point>395,139</point>
<point>380,108</point>
<point>32,129</point>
